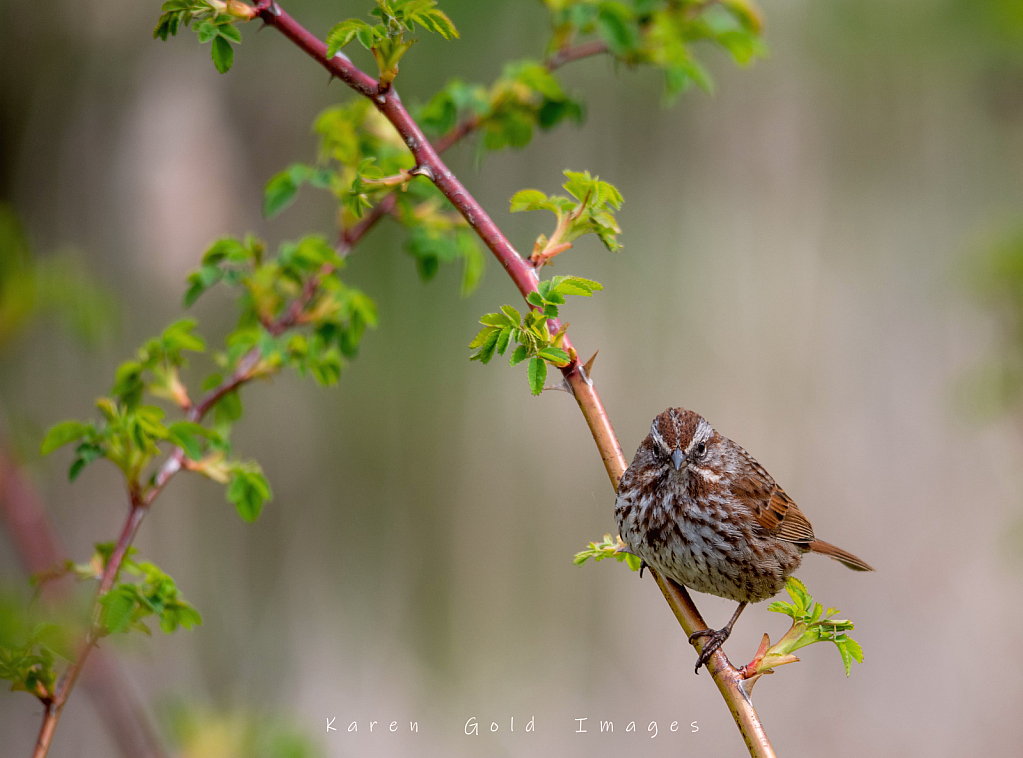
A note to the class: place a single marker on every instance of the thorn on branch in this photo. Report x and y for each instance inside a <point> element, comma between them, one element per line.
<point>562,386</point>
<point>423,170</point>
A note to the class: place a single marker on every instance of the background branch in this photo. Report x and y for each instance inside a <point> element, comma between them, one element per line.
<point>140,502</point>
<point>524,275</point>
<point>38,550</point>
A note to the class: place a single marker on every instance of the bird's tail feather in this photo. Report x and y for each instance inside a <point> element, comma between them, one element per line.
<point>840,555</point>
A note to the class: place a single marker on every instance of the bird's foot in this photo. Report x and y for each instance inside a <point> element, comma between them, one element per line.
<point>717,639</point>
<point>642,566</point>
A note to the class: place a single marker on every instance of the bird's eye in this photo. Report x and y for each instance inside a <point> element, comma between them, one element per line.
<point>701,449</point>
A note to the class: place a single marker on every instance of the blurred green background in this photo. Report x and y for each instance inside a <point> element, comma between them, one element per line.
<point>795,249</point>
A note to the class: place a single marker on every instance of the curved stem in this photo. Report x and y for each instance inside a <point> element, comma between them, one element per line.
<point>725,675</point>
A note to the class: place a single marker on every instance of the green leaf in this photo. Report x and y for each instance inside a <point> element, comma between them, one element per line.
<point>200,281</point>
<point>344,33</point>
<point>281,189</point>
<point>518,355</point>
<point>576,285</point>
<point>555,355</point>
<point>186,434</point>
<point>118,605</point>
<point>617,28</point>
<point>483,334</point>
<point>486,351</point>
<point>504,339</point>
<point>498,319</point>
<point>61,434</point>
<point>85,454</point>
<point>514,317</point>
<point>527,200</point>
<point>432,19</point>
<point>228,408</point>
<point>537,374</point>
<point>178,336</point>
<point>223,54</point>
<point>128,384</point>
<point>205,31</point>
<point>248,491</point>
<point>230,33</point>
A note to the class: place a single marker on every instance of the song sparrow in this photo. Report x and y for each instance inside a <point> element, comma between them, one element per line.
<point>701,511</point>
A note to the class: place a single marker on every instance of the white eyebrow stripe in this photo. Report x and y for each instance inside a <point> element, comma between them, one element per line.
<point>702,434</point>
<point>656,434</point>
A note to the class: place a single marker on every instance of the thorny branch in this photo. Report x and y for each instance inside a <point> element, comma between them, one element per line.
<point>727,677</point>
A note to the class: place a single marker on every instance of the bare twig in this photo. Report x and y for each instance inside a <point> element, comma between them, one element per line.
<point>389,104</point>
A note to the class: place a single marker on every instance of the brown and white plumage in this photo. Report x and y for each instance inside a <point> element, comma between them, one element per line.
<point>702,511</point>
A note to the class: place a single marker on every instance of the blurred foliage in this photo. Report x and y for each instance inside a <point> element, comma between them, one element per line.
<point>30,643</point>
<point>213,22</point>
<point>294,310</point>
<point>55,286</point>
<point>194,732</point>
<point>995,277</point>
<point>361,161</point>
<point>662,33</point>
<point>297,289</point>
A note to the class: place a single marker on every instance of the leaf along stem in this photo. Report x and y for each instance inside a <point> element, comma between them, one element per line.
<point>725,675</point>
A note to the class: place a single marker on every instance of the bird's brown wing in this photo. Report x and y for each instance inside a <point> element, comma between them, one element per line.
<point>773,509</point>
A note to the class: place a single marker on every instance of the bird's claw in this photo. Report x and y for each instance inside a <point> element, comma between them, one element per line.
<point>717,639</point>
<point>642,565</point>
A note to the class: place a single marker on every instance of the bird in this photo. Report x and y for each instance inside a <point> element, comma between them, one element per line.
<point>700,510</point>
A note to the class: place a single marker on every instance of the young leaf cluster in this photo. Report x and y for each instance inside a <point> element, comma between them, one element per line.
<point>525,97</point>
<point>609,547</point>
<point>362,160</point>
<point>129,432</point>
<point>387,40</point>
<point>531,332</point>
<point>128,604</point>
<point>214,22</point>
<point>299,287</point>
<point>589,210</point>
<point>810,624</point>
<point>29,647</point>
<point>662,33</point>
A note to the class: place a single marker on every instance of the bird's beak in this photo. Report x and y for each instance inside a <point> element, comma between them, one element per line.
<point>678,458</point>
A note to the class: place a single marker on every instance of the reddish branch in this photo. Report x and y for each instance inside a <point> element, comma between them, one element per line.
<point>567,54</point>
<point>725,675</point>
